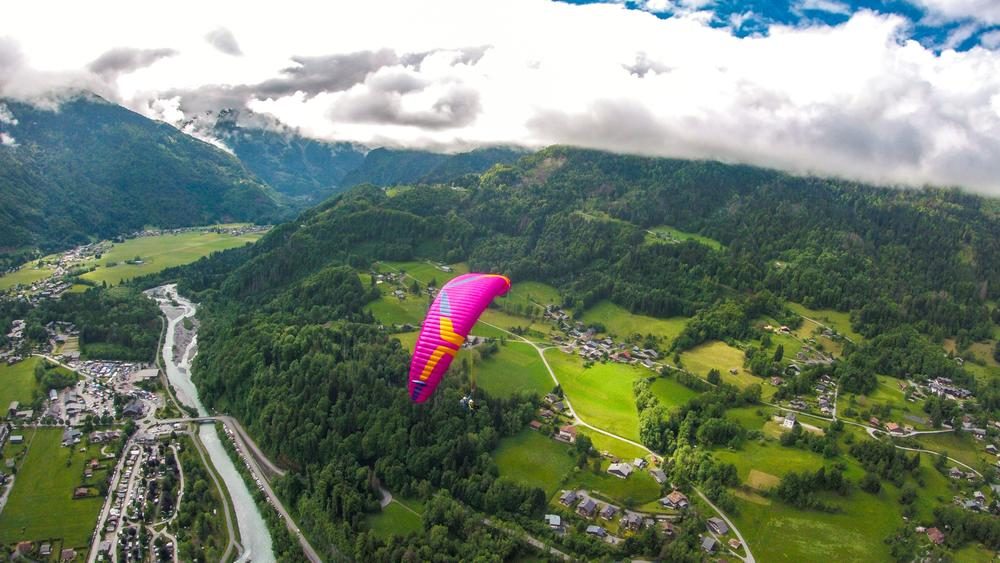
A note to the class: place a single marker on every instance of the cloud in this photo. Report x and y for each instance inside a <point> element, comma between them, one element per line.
<point>224,40</point>
<point>829,6</point>
<point>123,60</point>
<point>6,140</point>
<point>6,117</point>
<point>985,11</point>
<point>859,99</point>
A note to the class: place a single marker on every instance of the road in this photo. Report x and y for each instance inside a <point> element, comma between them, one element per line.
<point>577,420</point>
<point>531,540</point>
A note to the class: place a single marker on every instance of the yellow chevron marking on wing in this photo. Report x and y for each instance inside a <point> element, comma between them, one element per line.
<point>432,361</point>
<point>448,333</point>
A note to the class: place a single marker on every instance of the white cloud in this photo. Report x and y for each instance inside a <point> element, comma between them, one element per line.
<point>6,140</point>
<point>6,116</point>
<point>985,11</point>
<point>830,6</point>
<point>856,100</point>
<point>990,39</point>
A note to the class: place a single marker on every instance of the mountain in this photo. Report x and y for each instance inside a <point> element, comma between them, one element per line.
<point>389,167</point>
<point>91,168</point>
<point>297,341</point>
<point>306,170</point>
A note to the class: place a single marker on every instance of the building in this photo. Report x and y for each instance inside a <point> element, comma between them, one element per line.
<point>609,511</point>
<point>568,498</point>
<point>587,508</point>
<point>708,544</point>
<point>935,535</point>
<point>675,499</point>
<point>620,470</point>
<point>535,425</point>
<point>631,521</point>
<point>717,525</point>
<point>567,433</point>
<point>554,521</point>
<point>12,409</point>
<point>45,550</point>
<point>893,428</point>
<point>734,544</point>
<point>17,439</point>
<point>658,475</point>
<point>789,421</point>
<point>596,531</point>
<point>134,409</point>
<point>640,463</point>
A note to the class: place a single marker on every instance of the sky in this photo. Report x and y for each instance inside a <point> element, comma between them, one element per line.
<point>899,92</point>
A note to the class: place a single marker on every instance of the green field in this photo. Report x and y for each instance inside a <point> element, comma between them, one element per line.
<point>41,506</point>
<point>26,275</point>
<point>529,295</point>
<point>390,310</point>
<point>888,393</point>
<point>670,234</point>
<point>637,490</point>
<point>618,321</point>
<point>671,393</point>
<point>160,252</point>
<point>614,446</point>
<point>515,368</point>
<point>602,394</point>
<point>962,447</point>
<point>424,271</point>
<point>17,382</point>
<point>837,320</point>
<point>395,519</point>
<point>534,460</point>
<point>720,356</point>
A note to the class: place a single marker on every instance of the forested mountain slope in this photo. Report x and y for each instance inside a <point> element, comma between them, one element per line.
<point>390,167</point>
<point>288,347</point>
<point>95,169</point>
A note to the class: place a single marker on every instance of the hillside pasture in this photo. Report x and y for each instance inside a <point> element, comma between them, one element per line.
<point>601,394</point>
<point>535,460</point>
<point>516,368</point>
<point>620,322</point>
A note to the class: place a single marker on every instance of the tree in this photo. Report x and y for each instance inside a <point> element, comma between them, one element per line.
<point>871,483</point>
<point>779,353</point>
<point>714,376</point>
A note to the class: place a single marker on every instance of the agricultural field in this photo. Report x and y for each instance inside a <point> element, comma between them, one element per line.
<point>424,271</point>
<point>390,310</point>
<point>17,382</point>
<point>671,235</point>
<point>41,505</point>
<point>621,323</point>
<point>601,394</point>
<point>528,296</point>
<point>639,489</point>
<point>161,252</point>
<point>535,329</point>
<point>534,460</point>
<point>671,394</point>
<point>837,320</point>
<point>611,445</point>
<point>888,394</point>
<point>983,351</point>
<point>721,356</point>
<point>962,447</point>
<point>517,367</point>
<point>398,518</point>
<point>26,275</point>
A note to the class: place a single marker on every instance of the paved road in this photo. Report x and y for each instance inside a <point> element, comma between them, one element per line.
<point>577,420</point>
<point>257,453</point>
<point>531,540</point>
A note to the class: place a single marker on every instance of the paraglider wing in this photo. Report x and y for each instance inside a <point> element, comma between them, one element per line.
<point>452,315</point>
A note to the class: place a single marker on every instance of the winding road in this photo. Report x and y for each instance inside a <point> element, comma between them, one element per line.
<point>579,421</point>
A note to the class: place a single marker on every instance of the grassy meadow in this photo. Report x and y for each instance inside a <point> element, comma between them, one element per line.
<point>621,323</point>
<point>515,368</point>
<point>601,394</point>
<point>17,382</point>
<point>534,460</point>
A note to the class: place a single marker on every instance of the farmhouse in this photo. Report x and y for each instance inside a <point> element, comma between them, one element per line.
<point>587,508</point>
<point>596,531</point>
<point>620,470</point>
<point>609,511</point>
<point>568,498</point>
<point>709,544</point>
<point>567,433</point>
<point>658,475</point>
<point>990,448</point>
<point>789,421</point>
<point>631,521</point>
<point>675,499</point>
<point>935,535</point>
<point>717,525</point>
<point>734,544</point>
<point>893,428</point>
<point>535,425</point>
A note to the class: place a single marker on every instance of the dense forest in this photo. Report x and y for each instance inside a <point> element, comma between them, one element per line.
<point>287,346</point>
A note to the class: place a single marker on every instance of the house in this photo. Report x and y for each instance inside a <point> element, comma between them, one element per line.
<point>734,544</point>
<point>893,428</point>
<point>955,473</point>
<point>667,526</point>
<point>80,492</point>
<point>789,421</point>
<point>67,555</point>
<point>587,508</point>
<point>567,433</point>
<point>873,421</point>
<point>104,547</point>
<point>717,525</point>
<point>631,521</point>
<point>71,436</point>
<point>551,398</point>
<point>620,470</point>
<point>609,511</point>
<point>568,498</point>
<point>708,543</point>
<point>53,395</point>
<point>535,425</point>
<point>558,406</point>
<point>554,521</point>
<point>17,439</point>
<point>134,409</point>
<point>596,531</point>
<point>45,550</point>
<point>675,499</point>
<point>658,475</point>
<point>935,535</point>
<point>640,463</point>
<point>990,448</point>
<point>12,409</point>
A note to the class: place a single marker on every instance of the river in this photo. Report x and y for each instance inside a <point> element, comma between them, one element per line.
<point>256,538</point>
